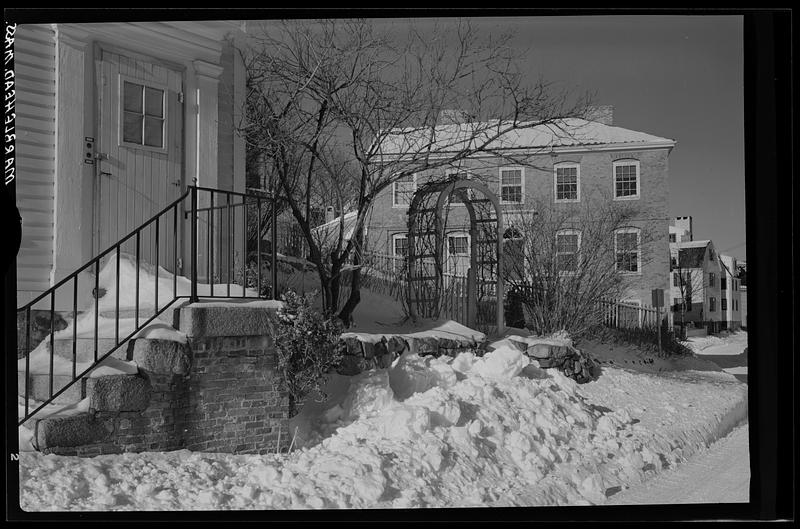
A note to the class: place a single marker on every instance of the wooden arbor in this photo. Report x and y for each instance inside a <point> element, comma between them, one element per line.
<point>426,231</point>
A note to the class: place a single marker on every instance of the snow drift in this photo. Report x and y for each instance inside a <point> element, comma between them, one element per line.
<point>428,432</point>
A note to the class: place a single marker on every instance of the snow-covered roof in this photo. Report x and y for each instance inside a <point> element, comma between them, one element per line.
<point>329,231</point>
<point>692,244</point>
<point>569,132</point>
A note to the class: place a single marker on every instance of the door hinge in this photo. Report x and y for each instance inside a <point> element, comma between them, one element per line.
<point>180,97</point>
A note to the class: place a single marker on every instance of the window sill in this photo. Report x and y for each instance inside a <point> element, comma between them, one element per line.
<point>636,197</point>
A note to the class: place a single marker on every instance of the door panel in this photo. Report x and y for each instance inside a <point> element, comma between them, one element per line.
<point>133,180</point>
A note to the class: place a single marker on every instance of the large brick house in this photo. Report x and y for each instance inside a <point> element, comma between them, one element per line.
<point>576,164</point>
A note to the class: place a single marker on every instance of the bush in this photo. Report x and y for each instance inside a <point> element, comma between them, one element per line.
<point>644,337</point>
<point>308,347</point>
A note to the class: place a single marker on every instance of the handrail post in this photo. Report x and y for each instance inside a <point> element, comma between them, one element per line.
<point>193,208</point>
<point>274,264</point>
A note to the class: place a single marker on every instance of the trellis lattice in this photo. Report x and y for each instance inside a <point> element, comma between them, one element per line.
<point>436,288</point>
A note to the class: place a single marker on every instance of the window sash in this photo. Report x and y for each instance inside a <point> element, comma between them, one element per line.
<point>627,251</point>
<point>568,246</point>
<point>143,114</point>
<point>626,178</point>
<point>403,191</point>
<point>567,183</point>
<point>457,245</point>
<point>511,185</point>
<point>400,245</point>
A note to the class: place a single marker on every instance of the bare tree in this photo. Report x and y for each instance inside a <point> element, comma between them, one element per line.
<point>569,260</point>
<point>342,109</point>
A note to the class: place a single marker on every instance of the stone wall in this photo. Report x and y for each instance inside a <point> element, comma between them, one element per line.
<point>218,393</point>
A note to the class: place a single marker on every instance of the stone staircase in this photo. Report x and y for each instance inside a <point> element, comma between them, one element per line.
<point>90,404</point>
<point>82,351</point>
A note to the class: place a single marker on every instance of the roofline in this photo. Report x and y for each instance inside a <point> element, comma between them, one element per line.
<point>571,149</point>
<point>338,220</point>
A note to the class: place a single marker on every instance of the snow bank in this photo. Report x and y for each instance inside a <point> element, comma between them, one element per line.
<point>408,330</point>
<point>428,432</point>
<point>168,285</point>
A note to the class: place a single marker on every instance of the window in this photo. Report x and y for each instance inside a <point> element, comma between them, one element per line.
<point>568,245</point>
<point>458,244</point>
<point>400,245</point>
<point>400,251</point>
<point>723,304</point>
<point>710,254</point>
<point>712,279</point>
<point>403,190</point>
<point>675,279</point>
<point>723,283</point>
<point>567,182</point>
<point>512,186</point>
<point>712,304</point>
<point>626,180</point>
<point>672,237</point>
<point>626,249</point>
<point>735,284</point>
<point>143,114</point>
<point>735,304</point>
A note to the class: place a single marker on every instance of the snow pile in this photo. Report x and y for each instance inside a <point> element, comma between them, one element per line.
<point>168,285</point>
<point>428,432</point>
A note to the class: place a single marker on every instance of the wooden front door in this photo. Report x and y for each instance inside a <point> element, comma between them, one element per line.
<point>140,144</point>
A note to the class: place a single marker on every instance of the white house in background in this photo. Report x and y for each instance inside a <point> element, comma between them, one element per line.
<point>742,273</point>
<point>731,292</point>
<point>113,121</point>
<point>695,281</point>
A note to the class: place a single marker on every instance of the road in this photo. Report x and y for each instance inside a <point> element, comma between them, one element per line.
<point>721,474</point>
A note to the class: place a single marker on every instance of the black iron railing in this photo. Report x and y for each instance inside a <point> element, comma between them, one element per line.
<point>223,240</point>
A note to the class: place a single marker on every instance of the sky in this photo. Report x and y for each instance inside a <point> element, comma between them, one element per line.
<point>678,77</point>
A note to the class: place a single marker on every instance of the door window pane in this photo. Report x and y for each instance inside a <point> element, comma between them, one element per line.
<point>154,102</point>
<point>132,96</point>
<point>132,128</point>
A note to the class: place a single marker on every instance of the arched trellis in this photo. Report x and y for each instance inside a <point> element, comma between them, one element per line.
<point>426,233</point>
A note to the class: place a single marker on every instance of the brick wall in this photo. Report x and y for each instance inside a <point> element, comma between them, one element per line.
<point>596,185</point>
<point>219,393</point>
<point>234,403</point>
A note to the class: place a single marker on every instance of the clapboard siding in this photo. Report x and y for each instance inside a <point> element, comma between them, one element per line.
<point>35,66</point>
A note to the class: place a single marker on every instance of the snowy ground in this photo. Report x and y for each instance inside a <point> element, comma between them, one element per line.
<point>721,474</point>
<point>491,431</point>
<point>726,349</point>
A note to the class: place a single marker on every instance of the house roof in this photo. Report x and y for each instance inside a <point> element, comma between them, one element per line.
<point>691,257</point>
<point>328,233</point>
<point>569,132</point>
<point>692,244</point>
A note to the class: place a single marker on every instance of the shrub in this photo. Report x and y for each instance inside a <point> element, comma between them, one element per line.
<point>308,347</point>
<point>644,337</point>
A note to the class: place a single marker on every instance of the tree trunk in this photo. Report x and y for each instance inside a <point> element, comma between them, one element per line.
<point>346,314</point>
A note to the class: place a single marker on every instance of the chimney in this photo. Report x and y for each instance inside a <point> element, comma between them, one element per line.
<point>601,114</point>
<point>330,214</point>
<point>684,224</point>
<point>452,117</point>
